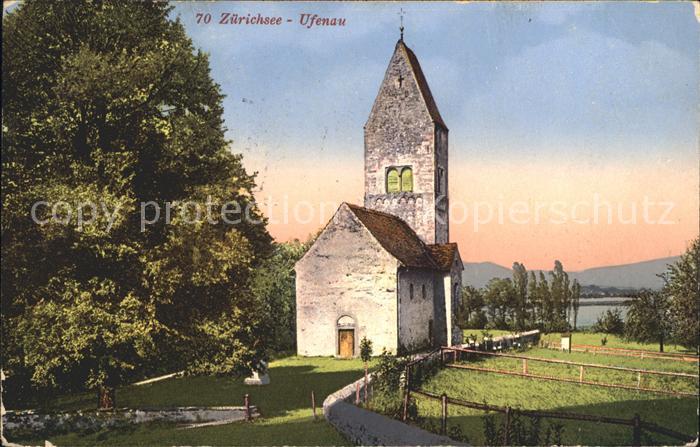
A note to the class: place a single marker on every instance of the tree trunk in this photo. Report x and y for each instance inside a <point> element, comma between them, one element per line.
<point>106,398</point>
<point>661,343</point>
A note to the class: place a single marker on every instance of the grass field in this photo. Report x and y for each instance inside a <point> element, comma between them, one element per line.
<point>614,341</point>
<point>676,413</point>
<point>628,378</point>
<point>586,338</point>
<point>285,406</point>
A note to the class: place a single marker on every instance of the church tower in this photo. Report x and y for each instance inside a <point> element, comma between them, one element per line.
<point>406,150</point>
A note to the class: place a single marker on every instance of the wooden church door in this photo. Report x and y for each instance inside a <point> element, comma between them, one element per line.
<point>346,342</point>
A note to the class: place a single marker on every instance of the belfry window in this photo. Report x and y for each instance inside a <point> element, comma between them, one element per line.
<point>393,180</point>
<point>398,179</point>
<point>407,179</point>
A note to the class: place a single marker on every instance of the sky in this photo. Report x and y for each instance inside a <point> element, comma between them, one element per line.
<point>584,110</point>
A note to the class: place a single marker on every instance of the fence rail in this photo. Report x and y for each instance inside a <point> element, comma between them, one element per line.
<point>636,423</point>
<point>567,362</point>
<point>581,366</point>
<point>624,352</point>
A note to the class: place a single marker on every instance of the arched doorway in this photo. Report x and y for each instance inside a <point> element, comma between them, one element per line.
<point>346,336</point>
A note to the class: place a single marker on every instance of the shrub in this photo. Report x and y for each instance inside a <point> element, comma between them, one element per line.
<point>610,322</point>
<point>389,373</point>
<point>524,430</point>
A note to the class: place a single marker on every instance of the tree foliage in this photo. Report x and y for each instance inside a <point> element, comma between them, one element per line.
<point>274,289</point>
<point>648,318</point>
<point>109,103</point>
<point>683,291</point>
<point>526,301</point>
<point>470,313</point>
<point>610,322</point>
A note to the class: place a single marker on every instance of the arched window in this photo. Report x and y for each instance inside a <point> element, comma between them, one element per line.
<point>346,321</point>
<point>393,180</point>
<point>422,291</point>
<point>407,179</point>
<point>410,291</point>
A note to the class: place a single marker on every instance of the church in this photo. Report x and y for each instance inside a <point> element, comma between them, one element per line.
<point>386,270</point>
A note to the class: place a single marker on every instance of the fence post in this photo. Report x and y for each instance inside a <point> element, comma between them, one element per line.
<point>637,431</point>
<point>407,394</point>
<point>246,403</point>
<point>506,432</point>
<point>313,404</point>
<point>639,380</point>
<point>443,425</point>
<point>580,374</point>
<point>524,366</point>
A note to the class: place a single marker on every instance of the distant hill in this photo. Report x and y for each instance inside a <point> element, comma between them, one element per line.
<point>627,276</point>
<point>478,274</point>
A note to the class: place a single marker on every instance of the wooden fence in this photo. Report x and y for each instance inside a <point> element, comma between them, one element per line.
<point>635,423</point>
<point>641,353</point>
<point>582,366</point>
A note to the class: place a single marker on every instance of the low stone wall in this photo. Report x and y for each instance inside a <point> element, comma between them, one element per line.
<point>364,427</point>
<point>35,422</point>
<point>505,341</point>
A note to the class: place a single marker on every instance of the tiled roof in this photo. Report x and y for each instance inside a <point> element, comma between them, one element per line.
<point>396,237</point>
<point>423,85</point>
<point>443,254</point>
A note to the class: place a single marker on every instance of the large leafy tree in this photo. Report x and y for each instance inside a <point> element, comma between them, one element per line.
<point>683,291</point>
<point>499,298</point>
<point>108,103</point>
<point>274,288</point>
<point>648,318</point>
<point>470,312</point>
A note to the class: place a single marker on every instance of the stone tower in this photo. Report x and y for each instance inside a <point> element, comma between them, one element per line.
<point>406,150</point>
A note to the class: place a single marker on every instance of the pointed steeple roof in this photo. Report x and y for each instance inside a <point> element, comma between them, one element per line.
<point>422,83</point>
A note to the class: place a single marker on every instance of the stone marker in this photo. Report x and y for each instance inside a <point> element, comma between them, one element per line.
<point>259,377</point>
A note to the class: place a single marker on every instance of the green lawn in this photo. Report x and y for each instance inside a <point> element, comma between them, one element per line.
<point>628,378</point>
<point>675,413</point>
<point>585,338</point>
<point>614,341</point>
<point>285,406</point>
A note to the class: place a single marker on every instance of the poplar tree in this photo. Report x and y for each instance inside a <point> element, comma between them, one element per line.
<point>520,287</point>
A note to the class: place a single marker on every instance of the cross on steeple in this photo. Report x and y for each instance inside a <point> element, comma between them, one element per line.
<point>401,13</point>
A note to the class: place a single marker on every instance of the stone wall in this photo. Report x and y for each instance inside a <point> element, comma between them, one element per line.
<point>415,313</point>
<point>455,299</point>
<point>400,132</point>
<point>346,273</point>
<point>29,421</point>
<point>442,203</point>
<point>363,427</point>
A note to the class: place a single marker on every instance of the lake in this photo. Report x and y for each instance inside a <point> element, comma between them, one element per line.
<point>592,308</point>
